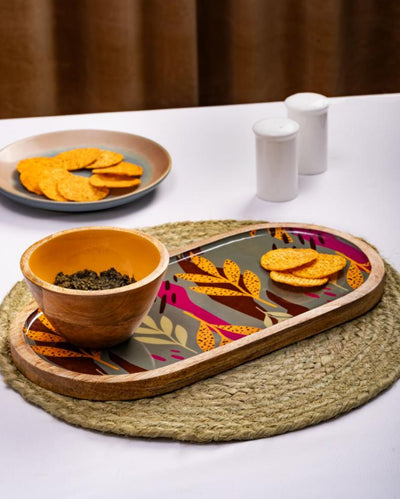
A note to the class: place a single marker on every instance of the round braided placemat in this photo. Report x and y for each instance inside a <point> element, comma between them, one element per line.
<point>311,381</point>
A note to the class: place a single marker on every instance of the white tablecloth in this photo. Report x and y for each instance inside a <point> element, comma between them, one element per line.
<point>213,177</point>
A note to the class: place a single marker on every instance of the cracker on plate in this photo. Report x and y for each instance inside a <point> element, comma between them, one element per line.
<point>106,158</point>
<point>30,176</point>
<point>49,183</point>
<point>76,188</point>
<point>114,181</point>
<point>75,159</point>
<point>123,168</point>
<point>27,163</point>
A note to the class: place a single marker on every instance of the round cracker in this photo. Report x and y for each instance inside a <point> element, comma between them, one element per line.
<point>106,159</point>
<point>31,176</point>
<point>48,183</point>
<point>113,181</point>
<point>287,258</point>
<point>324,266</point>
<point>27,163</point>
<point>292,280</point>
<point>76,188</point>
<point>123,168</point>
<point>75,159</point>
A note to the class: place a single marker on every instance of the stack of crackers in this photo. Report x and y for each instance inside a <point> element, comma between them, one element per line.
<point>52,177</point>
<point>301,267</point>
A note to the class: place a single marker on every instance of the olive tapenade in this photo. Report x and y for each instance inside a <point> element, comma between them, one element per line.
<point>89,280</point>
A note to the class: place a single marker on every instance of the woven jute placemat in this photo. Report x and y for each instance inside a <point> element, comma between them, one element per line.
<point>306,383</point>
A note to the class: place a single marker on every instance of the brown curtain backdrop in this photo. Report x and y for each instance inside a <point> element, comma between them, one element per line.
<point>80,56</point>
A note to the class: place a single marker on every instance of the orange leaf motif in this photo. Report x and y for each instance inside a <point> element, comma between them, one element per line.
<point>56,352</point>
<point>205,338</point>
<point>232,271</point>
<point>42,336</point>
<point>245,330</point>
<point>45,321</point>
<point>282,235</point>
<point>225,341</point>
<point>205,265</point>
<point>354,276</point>
<point>206,290</point>
<point>200,278</point>
<point>252,282</point>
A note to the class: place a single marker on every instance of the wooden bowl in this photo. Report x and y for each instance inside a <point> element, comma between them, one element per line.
<point>95,319</point>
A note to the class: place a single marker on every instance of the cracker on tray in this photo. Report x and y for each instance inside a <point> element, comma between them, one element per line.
<point>301,267</point>
<point>292,280</point>
<point>324,266</point>
<point>287,258</point>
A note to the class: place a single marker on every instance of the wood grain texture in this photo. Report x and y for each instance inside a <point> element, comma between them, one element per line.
<point>172,377</point>
<point>101,318</point>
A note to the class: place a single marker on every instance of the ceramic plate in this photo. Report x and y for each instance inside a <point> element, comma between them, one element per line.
<point>154,159</point>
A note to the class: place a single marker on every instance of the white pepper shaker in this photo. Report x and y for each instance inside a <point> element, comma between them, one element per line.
<point>310,110</point>
<point>276,158</point>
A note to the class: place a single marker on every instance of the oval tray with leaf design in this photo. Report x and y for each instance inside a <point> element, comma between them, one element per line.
<point>217,308</point>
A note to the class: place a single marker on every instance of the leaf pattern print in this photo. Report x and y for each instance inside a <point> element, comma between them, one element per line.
<point>232,271</point>
<point>45,321</point>
<point>205,264</point>
<point>207,332</point>
<point>165,334</point>
<point>281,234</point>
<point>47,351</point>
<point>252,283</point>
<point>245,330</point>
<point>365,267</point>
<point>68,350</point>
<point>203,278</point>
<point>43,336</point>
<point>151,340</point>
<point>268,321</point>
<point>149,322</point>
<point>166,325</point>
<point>217,291</point>
<point>354,276</point>
<point>281,316</point>
<point>181,334</point>
<point>205,338</point>
<point>230,275</point>
<point>56,352</point>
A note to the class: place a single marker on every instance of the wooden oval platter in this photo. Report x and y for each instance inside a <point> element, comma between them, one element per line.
<point>217,308</point>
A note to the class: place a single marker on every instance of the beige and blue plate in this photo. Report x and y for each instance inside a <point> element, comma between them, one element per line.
<point>154,159</point>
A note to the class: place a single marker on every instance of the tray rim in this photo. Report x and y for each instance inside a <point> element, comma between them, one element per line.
<point>168,378</point>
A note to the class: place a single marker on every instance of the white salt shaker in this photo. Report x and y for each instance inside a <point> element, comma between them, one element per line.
<point>276,158</point>
<point>310,110</point>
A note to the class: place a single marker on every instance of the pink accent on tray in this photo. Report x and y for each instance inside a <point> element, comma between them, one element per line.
<point>157,357</point>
